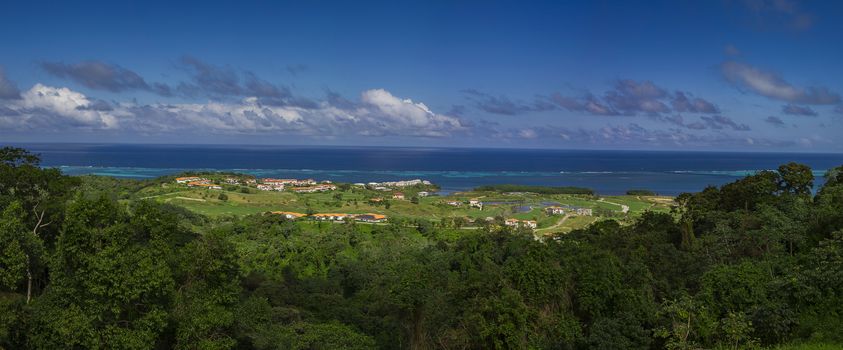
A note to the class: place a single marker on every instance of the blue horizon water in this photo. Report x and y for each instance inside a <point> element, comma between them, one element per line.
<point>453,169</point>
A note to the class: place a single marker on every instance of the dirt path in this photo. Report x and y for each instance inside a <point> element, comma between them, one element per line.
<point>163,194</point>
<point>555,226</point>
<point>188,199</point>
<point>624,208</point>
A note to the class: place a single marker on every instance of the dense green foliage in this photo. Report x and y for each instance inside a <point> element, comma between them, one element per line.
<point>536,189</point>
<point>758,262</point>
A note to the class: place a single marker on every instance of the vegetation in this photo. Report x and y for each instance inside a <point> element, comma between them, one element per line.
<point>756,263</point>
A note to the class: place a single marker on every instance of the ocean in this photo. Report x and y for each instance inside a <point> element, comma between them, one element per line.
<point>453,169</point>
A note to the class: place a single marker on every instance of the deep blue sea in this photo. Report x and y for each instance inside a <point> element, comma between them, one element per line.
<point>453,169</point>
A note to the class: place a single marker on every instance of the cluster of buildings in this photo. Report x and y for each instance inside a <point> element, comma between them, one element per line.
<point>560,210</point>
<point>389,185</point>
<point>193,181</point>
<point>369,217</point>
<point>519,223</point>
<point>315,188</point>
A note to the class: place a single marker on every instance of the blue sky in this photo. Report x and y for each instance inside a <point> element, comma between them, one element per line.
<point>760,75</point>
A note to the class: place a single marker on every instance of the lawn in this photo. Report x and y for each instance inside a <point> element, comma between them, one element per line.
<point>434,208</point>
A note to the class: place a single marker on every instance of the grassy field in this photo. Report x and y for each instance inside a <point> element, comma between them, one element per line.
<point>522,206</point>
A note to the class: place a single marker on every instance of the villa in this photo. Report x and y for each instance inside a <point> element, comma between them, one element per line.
<point>583,211</point>
<point>313,189</point>
<point>188,179</point>
<point>289,215</point>
<point>555,210</point>
<point>475,203</point>
<point>517,223</point>
<point>372,218</point>
<point>331,217</point>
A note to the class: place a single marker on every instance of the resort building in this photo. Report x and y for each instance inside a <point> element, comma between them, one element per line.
<point>289,215</point>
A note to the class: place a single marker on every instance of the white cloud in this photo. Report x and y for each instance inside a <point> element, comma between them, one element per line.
<point>771,85</point>
<point>379,113</point>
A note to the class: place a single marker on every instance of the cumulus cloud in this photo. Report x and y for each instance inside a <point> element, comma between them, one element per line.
<point>504,105</point>
<point>103,76</point>
<point>798,110</point>
<point>8,90</point>
<point>379,113</point>
<point>48,108</point>
<point>630,97</point>
<point>772,86</point>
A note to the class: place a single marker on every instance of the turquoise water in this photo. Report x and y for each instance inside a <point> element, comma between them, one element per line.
<point>453,169</point>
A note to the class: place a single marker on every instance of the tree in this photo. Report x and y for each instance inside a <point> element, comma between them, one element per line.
<point>222,197</point>
<point>110,280</point>
<point>796,179</point>
<point>39,194</point>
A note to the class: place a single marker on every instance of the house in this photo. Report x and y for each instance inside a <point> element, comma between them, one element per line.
<point>583,211</point>
<point>475,203</point>
<point>200,182</point>
<point>331,217</point>
<point>289,215</point>
<point>398,195</point>
<point>263,187</point>
<point>511,222</point>
<point>187,179</point>
<point>373,218</point>
<point>555,210</point>
<point>424,194</point>
<point>251,181</point>
<point>455,203</point>
<point>232,181</point>
<point>530,223</point>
